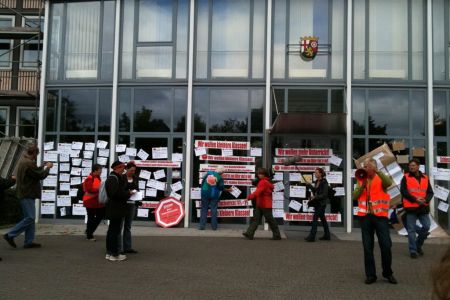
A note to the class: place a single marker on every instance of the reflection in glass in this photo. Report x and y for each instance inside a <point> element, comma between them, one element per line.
<point>182,38</point>
<point>228,111</point>
<point>108,40</point>
<point>258,50</point>
<point>104,110</point>
<point>51,111</point>
<point>257,111</point>
<point>32,49</point>
<point>337,39</point>
<point>201,109</point>
<point>307,100</point>
<point>279,39</point>
<point>154,62</point>
<point>440,113</point>
<point>5,45</point>
<point>337,101</point>
<point>155,20</point>
<point>417,51</point>
<point>152,110</point>
<point>77,113</point>
<point>54,47</point>
<point>201,68</point>
<point>359,148</point>
<point>418,108</point>
<point>127,39</point>
<point>3,118</point>
<point>124,110</point>
<point>383,118</point>
<point>277,103</point>
<point>179,110</point>
<point>359,39</point>
<point>358,112</point>
<point>439,47</point>
<point>27,122</point>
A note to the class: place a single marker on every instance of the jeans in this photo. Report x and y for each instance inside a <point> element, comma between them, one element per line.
<point>126,238</point>
<point>258,213</point>
<point>371,224</point>
<point>94,217</point>
<point>412,228</point>
<point>319,212</point>
<point>27,223</point>
<point>207,202</point>
<point>112,237</point>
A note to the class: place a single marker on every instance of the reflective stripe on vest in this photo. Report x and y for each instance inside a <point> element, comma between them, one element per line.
<point>380,202</point>
<point>415,189</point>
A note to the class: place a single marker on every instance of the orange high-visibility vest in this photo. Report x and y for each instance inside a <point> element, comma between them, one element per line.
<point>415,189</point>
<point>379,199</point>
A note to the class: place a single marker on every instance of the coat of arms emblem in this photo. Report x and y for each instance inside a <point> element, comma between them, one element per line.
<point>309,45</point>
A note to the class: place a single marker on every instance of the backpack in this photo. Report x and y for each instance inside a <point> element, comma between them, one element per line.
<point>80,192</point>
<point>102,195</point>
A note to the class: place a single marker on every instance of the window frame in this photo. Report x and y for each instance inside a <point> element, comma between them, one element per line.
<point>22,50</point>
<point>19,109</point>
<point>10,54</point>
<point>7,125</point>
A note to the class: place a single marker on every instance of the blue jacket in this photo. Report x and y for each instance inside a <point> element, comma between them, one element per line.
<point>212,185</point>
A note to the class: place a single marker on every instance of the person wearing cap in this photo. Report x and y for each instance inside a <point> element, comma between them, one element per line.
<point>29,177</point>
<point>132,185</point>
<point>116,209</point>
<point>212,186</point>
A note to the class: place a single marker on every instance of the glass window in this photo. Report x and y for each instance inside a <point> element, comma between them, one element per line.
<point>109,11</point>
<point>104,110</point>
<point>229,28</point>
<point>3,121</point>
<point>179,110</point>
<point>124,110</point>
<point>228,111</point>
<point>307,100</point>
<point>277,103</point>
<point>383,118</point>
<point>201,104</point>
<point>51,120</point>
<point>439,47</point>
<point>55,44</point>
<point>440,113</point>
<point>359,111</point>
<point>152,110</point>
<point>31,50</point>
<point>337,101</point>
<point>26,122</point>
<point>418,109</point>
<point>257,111</point>
<point>155,20</point>
<point>6,45</point>
<point>77,113</point>
<point>154,62</point>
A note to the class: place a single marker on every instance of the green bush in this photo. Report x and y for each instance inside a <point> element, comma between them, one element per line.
<point>10,210</point>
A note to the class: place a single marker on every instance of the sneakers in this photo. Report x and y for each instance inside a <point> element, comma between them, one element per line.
<point>91,239</point>
<point>119,257</point>
<point>413,255</point>
<point>107,256</point>
<point>391,279</point>
<point>32,245</point>
<point>420,251</point>
<point>370,280</point>
<point>247,236</point>
<point>10,240</point>
<point>130,251</point>
<point>325,238</point>
<point>276,238</point>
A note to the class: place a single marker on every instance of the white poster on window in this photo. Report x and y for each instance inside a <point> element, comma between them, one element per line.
<point>159,153</point>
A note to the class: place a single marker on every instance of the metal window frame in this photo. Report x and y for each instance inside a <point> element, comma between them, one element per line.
<point>19,109</point>
<point>21,66</point>
<point>7,109</point>
<point>10,54</point>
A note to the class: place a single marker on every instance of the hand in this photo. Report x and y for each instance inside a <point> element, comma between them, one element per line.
<point>421,200</point>
<point>13,177</point>
<point>49,164</point>
<point>133,192</point>
<point>228,189</point>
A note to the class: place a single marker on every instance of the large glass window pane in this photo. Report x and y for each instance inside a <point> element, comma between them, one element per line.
<point>257,111</point>
<point>229,111</point>
<point>3,122</point>
<point>337,39</point>
<point>5,45</point>
<point>31,48</point>
<point>78,110</point>
<point>182,38</point>
<point>230,38</point>
<point>82,39</point>
<point>108,40</point>
<point>26,123</point>
<point>52,110</point>
<point>154,62</point>
<point>307,100</point>
<point>55,39</point>
<point>388,42</point>
<point>277,103</point>
<point>127,39</point>
<point>259,21</point>
<point>179,110</point>
<point>417,51</point>
<point>152,110</point>
<point>155,20</point>
<point>201,70</point>
<point>279,39</point>
<point>359,111</point>
<point>201,109</point>
<point>307,18</point>
<point>337,101</point>
<point>439,48</point>
<point>440,113</point>
<point>124,110</point>
<point>384,116</point>
<point>359,39</point>
<point>104,110</point>
<point>418,108</point>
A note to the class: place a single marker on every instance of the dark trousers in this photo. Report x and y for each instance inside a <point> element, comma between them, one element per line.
<point>113,237</point>
<point>126,225</point>
<point>319,212</point>
<point>371,224</point>
<point>94,217</point>
<point>258,212</point>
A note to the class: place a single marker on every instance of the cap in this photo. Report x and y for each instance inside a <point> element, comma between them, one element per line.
<point>117,164</point>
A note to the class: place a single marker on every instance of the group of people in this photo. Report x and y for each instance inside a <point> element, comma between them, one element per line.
<point>370,194</point>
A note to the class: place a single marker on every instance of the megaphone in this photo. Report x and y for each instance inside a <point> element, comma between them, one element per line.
<point>361,174</point>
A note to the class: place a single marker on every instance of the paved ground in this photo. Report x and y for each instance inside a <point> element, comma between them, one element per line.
<point>206,267</point>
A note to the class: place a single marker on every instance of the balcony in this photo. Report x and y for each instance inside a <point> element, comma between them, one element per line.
<point>22,84</point>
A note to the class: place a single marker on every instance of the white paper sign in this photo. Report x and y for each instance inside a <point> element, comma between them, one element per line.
<point>278,196</point>
<point>297,191</point>
<point>159,174</point>
<point>54,169</point>
<point>51,181</point>
<point>86,171</point>
<point>77,145</point>
<point>51,156</point>
<point>131,152</point>
<point>235,191</point>
<point>75,180</point>
<point>75,153</point>
<point>227,152</point>
<point>295,177</point>
<point>64,157</point>
<point>196,193</point>
<point>340,191</point>
<point>48,195</point>
<point>121,148</point>
<point>149,192</point>
<point>177,156</point>
<point>88,154</point>
<point>441,192</point>
<point>156,184</point>
<point>200,151</point>
<point>176,186</point>
<point>443,206</point>
<point>255,151</point>
<point>175,195</point>
<point>142,154</point>
<point>394,192</point>
<point>47,208</point>
<point>136,196</point>
<point>64,187</point>
<point>142,213</point>
<point>86,163</point>
<point>295,205</point>
<point>63,200</point>
<point>278,213</point>
<point>124,158</point>
<point>102,161</point>
<point>64,148</point>
<point>142,184</point>
<point>62,211</point>
<point>78,210</point>
<point>101,144</point>
<point>64,167</point>
<point>159,153</point>
<point>89,146</point>
<point>64,177</point>
<point>49,146</point>
<point>335,160</point>
<point>334,177</point>
<point>305,205</point>
<point>278,187</point>
<point>278,176</point>
<point>278,204</point>
<point>144,174</point>
<point>75,171</point>
<point>73,192</point>
<point>103,152</point>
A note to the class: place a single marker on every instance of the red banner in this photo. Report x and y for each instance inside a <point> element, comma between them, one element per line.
<point>243,159</point>
<point>228,203</point>
<point>231,213</point>
<point>158,164</point>
<point>150,204</point>
<point>296,168</point>
<point>222,145</point>
<point>302,152</point>
<point>229,168</point>
<point>307,217</point>
<point>238,176</point>
<point>443,159</point>
<point>281,160</point>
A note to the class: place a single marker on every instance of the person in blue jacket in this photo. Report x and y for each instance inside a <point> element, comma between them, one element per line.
<point>212,186</point>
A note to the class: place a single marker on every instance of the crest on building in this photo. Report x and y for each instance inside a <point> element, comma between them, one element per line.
<point>309,46</point>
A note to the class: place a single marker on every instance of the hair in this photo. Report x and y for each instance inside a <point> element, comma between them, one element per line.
<point>220,169</point>
<point>263,171</point>
<point>96,167</point>
<point>32,150</point>
<point>414,160</point>
<point>130,165</point>
<point>322,172</point>
<point>440,276</point>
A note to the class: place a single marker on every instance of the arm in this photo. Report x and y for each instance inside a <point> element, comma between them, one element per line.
<point>358,191</point>
<point>88,186</point>
<point>404,191</point>
<point>430,193</point>
<point>259,190</point>
<point>36,172</point>
<point>322,191</point>
<point>114,189</point>
<point>386,181</point>
<point>6,183</point>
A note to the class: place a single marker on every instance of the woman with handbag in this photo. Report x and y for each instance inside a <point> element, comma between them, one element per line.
<point>319,202</point>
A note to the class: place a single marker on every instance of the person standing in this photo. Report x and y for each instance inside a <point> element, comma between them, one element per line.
<point>116,209</point>
<point>6,183</point>
<point>417,193</point>
<point>263,196</point>
<point>95,210</point>
<point>211,187</point>
<point>28,190</point>
<point>319,202</point>
<point>132,185</point>
<point>373,209</point>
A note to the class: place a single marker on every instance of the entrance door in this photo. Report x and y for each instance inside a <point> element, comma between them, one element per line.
<point>336,204</point>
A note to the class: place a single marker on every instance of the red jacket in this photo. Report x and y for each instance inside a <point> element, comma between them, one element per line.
<point>263,193</point>
<point>91,188</point>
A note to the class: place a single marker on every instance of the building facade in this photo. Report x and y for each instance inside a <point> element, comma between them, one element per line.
<point>167,73</point>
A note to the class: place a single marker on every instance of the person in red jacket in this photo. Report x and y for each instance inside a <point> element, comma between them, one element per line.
<point>95,210</point>
<point>263,196</point>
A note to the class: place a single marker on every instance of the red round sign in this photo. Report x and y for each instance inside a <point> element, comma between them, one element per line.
<point>169,212</point>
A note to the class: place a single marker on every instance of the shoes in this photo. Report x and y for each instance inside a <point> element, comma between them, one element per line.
<point>370,280</point>
<point>325,238</point>
<point>391,279</point>
<point>413,255</point>
<point>119,257</point>
<point>107,256</point>
<point>276,238</point>
<point>130,251</point>
<point>32,245</point>
<point>310,239</point>
<point>201,228</point>
<point>247,236</point>
<point>10,240</point>
<point>420,251</point>
<point>91,239</point>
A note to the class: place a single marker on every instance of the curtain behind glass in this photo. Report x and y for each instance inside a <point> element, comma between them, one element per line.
<point>155,21</point>
<point>439,48</point>
<point>82,40</point>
